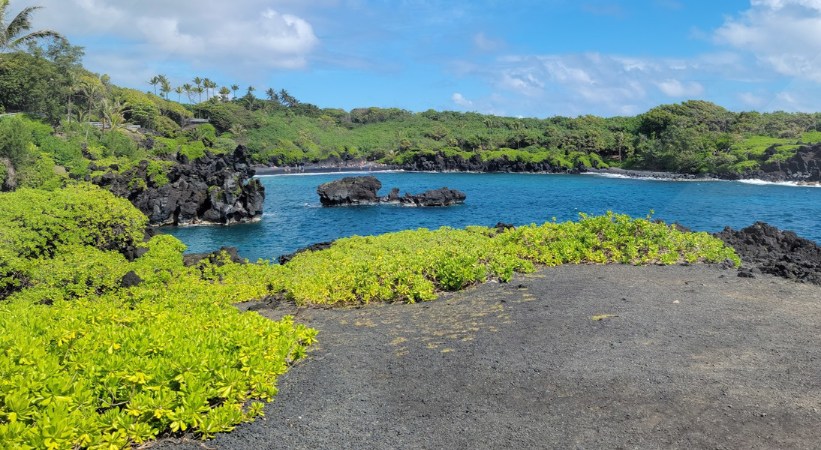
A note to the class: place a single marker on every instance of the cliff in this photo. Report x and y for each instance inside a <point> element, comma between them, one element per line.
<point>213,189</point>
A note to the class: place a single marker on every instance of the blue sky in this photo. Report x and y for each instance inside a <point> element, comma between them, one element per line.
<point>517,58</point>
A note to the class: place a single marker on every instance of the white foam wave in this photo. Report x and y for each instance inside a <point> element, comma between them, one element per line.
<point>329,172</point>
<point>758,182</point>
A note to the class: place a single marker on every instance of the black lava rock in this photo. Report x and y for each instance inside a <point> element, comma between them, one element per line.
<point>767,249</point>
<point>215,189</point>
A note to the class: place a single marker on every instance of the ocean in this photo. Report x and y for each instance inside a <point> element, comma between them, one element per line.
<point>294,218</point>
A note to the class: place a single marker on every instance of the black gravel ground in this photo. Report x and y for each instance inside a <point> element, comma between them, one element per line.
<point>571,357</point>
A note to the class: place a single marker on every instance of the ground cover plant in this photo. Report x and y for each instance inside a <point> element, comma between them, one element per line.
<point>86,362</point>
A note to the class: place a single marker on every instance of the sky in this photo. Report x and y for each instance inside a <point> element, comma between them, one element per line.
<point>523,58</point>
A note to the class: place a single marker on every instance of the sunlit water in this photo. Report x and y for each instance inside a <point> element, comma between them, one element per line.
<point>294,218</point>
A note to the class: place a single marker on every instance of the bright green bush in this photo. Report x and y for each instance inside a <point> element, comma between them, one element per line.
<point>88,363</point>
<point>39,224</point>
<point>413,265</point>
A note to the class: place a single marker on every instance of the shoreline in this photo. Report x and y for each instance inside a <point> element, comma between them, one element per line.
<point>612,172</point>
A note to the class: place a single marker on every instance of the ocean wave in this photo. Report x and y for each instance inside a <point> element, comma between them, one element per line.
<point>330,172</point>
<point>631,177</point>
<point>758,182</point>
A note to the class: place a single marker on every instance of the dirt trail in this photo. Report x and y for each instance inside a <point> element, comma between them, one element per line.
<point>575,356</point>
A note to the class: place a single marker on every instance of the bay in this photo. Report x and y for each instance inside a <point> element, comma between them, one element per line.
<point>293,217</point>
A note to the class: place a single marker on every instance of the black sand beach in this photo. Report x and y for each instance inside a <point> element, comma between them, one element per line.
<point>575,356</point>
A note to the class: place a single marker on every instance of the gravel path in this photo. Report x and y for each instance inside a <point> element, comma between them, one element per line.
<point>575,356</point>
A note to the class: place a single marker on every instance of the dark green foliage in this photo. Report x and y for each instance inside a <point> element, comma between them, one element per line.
<point>224,116</point>
<point>30,84</point>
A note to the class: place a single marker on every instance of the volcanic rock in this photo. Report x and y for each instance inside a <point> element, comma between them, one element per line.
<point>285,259</point>
<point>766,249</point>
<point>213,189</point>
<point>349,191</point>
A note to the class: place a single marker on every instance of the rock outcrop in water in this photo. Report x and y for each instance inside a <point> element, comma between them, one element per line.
<point>213,189</point>
<point>364,191</point>
<point>766,249</point>
<point>349,191</point>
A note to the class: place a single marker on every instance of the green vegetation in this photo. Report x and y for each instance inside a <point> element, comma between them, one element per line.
<point>88,363</point>
<point>414,265</point>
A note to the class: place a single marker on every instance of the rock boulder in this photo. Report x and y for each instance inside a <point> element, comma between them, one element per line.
<point>349,191</point>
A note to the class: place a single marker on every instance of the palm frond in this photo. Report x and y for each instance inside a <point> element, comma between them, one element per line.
<point>20,23</point>
<point>42,34</point>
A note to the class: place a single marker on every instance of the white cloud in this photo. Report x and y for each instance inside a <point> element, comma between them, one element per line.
<point>460,100</point>
<point>242,35</point>
<point>675,88</point>
<point>784,35</point>
<point>591,83</point>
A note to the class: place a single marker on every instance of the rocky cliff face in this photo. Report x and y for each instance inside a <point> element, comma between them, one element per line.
<point>213,189</point>
<point>803,167</point>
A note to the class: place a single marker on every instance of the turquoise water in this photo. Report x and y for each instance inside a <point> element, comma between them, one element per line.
<point>294,218</point>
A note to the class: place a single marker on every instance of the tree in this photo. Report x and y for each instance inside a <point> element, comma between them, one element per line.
<point>208,85</point>
<point>235,88</point>
<point>249,97</point>
<point>178,91</point>
<point>165,86</point>
<point>13,34</point>
<point>287,99</point>
<point>198,83</point>
<point>112,113</point>
<point>188,91</point>
<point>224,91</point>
<point>154,81</point>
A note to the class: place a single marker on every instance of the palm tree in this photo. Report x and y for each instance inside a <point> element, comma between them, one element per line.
<point>112,113</point>
<point>178,91</point>
<point>235,88</point>
<point>198,83</point>
<point>154,81</point>
<point>12,33</point>
<point>188,90</point>
<point>199,90</point>
<point>165,86</point>
<point>224,91</point>
<point>287,99</point>
<point>208,85</point>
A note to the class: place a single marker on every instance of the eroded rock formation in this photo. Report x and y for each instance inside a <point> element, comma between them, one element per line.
<point>365,190</point>
<point>213,189</point>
